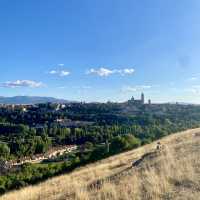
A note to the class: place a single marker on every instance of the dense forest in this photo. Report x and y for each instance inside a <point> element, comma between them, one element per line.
<point>98,129</point>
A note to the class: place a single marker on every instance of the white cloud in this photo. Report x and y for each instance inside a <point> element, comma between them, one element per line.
<point>193,79</point>
<point>126,71</point>
<point>62,87</point>
<point>22,83</point>
<point>53,72</point>
<point>107,72</point>
<point>59,72</point>
<point>83,87</point>
<point>64,73</point>
<point>100,72</point>
<point>61,65</point>
<point>135,88</point>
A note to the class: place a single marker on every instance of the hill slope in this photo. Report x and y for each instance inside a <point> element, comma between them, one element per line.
<point>30,100</point>
<point>170,173</point>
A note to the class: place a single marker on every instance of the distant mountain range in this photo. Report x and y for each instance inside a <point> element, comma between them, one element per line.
<point>30,100</point>
<point>39,99</point>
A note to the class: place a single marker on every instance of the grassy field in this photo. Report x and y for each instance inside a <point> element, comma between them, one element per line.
<point>170,173</point>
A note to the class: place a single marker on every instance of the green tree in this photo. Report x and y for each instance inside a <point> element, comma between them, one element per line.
<point>118,144</point>
<point>4,151</point>
<point>132,141</point>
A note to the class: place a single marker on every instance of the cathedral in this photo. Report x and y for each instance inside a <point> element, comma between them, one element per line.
<point>137,101</point>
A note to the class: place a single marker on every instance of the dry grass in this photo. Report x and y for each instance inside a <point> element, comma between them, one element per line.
<point>174,173</point>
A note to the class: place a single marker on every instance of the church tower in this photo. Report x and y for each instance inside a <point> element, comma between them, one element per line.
<point>142,98</point>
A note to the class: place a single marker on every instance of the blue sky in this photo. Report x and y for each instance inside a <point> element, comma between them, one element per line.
<point>99,50</point>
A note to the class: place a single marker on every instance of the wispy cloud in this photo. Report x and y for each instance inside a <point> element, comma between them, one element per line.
<point>126,71</point>
<point>61,65</point>
<point>21,83</point>
<point>107,72</point>
<point>53,72</point>
<point>194,78</point>
<point>83,87</point>
<point>100,72</point>
<point>135,88</point>
<point>59,72</point>
<point>62,87</point>
<point>64,73</point>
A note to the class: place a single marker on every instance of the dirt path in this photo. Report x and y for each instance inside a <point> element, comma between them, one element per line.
<point>128,171</point>
<point>49,155</point>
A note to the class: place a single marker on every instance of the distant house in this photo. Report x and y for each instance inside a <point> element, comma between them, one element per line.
<point>72,124</point>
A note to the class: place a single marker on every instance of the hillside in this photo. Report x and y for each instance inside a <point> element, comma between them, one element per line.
<point>30,100</point>
<point>170,173</point>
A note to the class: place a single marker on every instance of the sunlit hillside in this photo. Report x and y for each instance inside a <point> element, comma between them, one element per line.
<point>170,172</point>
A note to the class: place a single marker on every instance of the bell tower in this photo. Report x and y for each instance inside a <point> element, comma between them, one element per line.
<point>142,98</point>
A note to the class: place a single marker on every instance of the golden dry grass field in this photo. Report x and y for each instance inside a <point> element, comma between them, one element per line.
<point>170,173</point>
